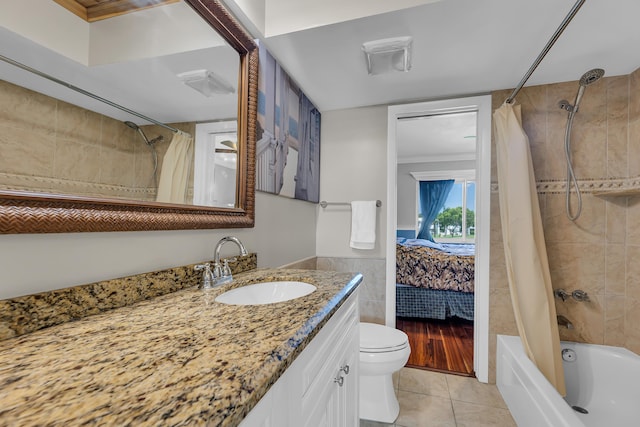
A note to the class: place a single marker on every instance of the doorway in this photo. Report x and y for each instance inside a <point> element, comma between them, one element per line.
<point>473,333</point>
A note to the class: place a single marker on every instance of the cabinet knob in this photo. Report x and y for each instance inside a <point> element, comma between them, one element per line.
<point>339,380</point>
<point>345,369</point>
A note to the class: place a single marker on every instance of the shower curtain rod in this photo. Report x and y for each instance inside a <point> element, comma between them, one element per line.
<point>546,49</point>
<point>84,92</point>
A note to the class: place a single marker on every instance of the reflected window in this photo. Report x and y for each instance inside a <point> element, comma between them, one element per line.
<point>216,156</point>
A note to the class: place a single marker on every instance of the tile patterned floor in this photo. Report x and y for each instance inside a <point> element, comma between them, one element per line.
<point>433,399</point>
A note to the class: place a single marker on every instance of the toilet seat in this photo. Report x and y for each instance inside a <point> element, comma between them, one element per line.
<point>381,339</point>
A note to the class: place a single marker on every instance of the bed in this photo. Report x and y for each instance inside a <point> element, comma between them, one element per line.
<point>434,280</point>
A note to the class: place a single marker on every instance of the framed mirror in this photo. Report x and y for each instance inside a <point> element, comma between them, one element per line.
<point>93,141</point>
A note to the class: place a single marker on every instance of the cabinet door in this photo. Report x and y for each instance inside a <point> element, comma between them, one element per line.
<point>326,412</point>
<point>349,415</point>
<point>333,399</point>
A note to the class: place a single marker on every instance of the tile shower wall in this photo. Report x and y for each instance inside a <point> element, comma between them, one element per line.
<point>600,252</point>
<point>52,145</point>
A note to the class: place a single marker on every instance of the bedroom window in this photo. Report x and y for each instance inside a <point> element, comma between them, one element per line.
<point>456,221</point>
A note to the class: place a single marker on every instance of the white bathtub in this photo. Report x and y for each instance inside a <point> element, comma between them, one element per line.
<point>603,380</point>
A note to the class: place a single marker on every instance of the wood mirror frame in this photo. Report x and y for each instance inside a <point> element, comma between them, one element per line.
<point>27,212</point>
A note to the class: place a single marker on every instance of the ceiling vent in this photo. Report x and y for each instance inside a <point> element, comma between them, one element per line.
<point>206,82</point>
<point>388,55</point>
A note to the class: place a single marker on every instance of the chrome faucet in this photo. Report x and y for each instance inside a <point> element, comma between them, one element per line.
<point>222,274</point>
<point>563,321</point>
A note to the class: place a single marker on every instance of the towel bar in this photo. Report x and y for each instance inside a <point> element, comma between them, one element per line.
<point>324,203</point>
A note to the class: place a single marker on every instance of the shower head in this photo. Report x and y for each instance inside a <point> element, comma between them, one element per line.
<point>591,76</point>
<point>587,78</point>
<point>142,134</point>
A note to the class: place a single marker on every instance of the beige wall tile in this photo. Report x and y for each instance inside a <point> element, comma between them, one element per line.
<point>533,103</point>
<point>588,228</point>
<point>633,272</point>
<point>501,317</point>
<point>614,333</point>
<point>616,211</point>
<point>556,125</point>
<point>616,271</point>
<point>498,268</point>
<point>631,322</point>
<point>116,167</point>
<point>25,155</point>
<point>617,126</point>
<point>115,134</point>
<point>24,109</point>
<point>589,134</point>
<point>77,161</point>
<point>577,266</point>
<point>634,123</point>
<point>77,124</point>
<point>633,221</point>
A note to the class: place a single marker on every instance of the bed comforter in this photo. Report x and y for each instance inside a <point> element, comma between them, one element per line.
<point>432,267</point>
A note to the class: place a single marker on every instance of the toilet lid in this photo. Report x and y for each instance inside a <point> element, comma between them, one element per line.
<point>378,338</point>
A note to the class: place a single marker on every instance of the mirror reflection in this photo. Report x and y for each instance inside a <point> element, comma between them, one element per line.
<point>140,106</point>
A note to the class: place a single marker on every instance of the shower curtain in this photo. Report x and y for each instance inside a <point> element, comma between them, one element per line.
<point>176,166</point>
<point>524,246</point>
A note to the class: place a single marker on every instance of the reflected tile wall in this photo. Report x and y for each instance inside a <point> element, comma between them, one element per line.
<point>600,252</point>
<point>49,145</point>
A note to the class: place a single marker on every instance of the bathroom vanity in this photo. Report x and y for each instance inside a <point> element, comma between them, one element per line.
<point>320,388</point>
<point>185,359</point>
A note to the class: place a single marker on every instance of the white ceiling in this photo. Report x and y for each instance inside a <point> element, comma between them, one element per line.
<point>437,138</point>
<point>135,62</point>
<point>461,47</point>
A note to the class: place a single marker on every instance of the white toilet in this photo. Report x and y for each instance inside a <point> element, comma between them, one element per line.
<point>383,351</point>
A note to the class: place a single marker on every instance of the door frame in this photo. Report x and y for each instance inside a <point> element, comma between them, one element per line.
<point>482,105</point>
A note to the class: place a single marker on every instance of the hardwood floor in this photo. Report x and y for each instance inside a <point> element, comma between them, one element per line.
<point>440,345</point>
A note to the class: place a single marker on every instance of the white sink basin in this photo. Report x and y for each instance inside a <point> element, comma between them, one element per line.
<point>265,293</point>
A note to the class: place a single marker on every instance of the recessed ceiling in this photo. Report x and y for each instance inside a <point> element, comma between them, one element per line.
<point>96,10</point>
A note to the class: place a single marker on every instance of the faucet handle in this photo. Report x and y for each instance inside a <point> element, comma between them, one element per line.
<point>226,270</point>
<point>580,295</point>
<point>207,276</point>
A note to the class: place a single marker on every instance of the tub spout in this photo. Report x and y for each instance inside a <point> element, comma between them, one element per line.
<point>563,321</point>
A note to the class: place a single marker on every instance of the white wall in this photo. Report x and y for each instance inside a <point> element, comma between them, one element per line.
<point>352,167</point>
<point>30,263</point>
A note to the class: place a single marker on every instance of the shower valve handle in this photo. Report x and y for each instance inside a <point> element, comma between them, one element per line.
<point>561,293</point>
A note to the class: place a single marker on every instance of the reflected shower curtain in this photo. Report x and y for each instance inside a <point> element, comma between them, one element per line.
<point>524,247</point>
<point>176,166</point>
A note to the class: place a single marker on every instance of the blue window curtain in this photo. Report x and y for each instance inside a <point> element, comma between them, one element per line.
<point>433,195</point>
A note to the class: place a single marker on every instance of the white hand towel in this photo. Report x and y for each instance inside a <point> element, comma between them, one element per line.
<point>363,224</point>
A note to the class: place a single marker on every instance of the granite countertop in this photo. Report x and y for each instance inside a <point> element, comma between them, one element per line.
<point>178,359</point>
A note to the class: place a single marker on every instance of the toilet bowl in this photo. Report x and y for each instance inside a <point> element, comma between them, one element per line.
<point>383,351</point>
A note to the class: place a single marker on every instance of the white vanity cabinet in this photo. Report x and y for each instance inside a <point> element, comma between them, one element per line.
<point>320,388</point>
